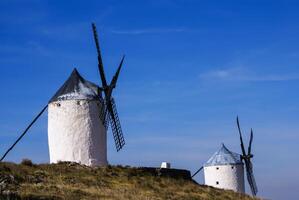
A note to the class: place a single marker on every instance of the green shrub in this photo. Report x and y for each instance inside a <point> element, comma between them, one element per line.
<point>27,162</point>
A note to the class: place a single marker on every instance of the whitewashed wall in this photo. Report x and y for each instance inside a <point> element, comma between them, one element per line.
<point>76,133</point>
<point>228,177</point>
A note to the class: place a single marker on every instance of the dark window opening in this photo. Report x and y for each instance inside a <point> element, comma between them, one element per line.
<point>217,183</point>
<point>232,167</point>
<point>217,168</point>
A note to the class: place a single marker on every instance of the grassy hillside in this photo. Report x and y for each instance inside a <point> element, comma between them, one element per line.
<point>74,181</point>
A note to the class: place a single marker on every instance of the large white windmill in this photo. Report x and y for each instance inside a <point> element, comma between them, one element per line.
<point>75,130</point>
<point>78,118</point>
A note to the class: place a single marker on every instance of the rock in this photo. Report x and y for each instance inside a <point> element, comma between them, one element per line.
<point>7,179</point>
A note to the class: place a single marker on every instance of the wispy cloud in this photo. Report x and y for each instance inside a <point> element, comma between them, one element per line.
<point>149,31</point>
<point>30,47</point>
<point>243,74</point>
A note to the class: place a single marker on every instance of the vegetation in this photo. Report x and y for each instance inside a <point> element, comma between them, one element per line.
<point>73,181</point>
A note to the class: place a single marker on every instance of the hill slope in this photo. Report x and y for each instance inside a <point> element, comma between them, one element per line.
<point>74,181</point>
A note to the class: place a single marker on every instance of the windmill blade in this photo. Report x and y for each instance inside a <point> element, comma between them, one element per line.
<point>115,125</point>
<point>250,177</point>
<point>115,77</point>
<point>241,139</point>
<point>100,61</point>
<point>250,142</point>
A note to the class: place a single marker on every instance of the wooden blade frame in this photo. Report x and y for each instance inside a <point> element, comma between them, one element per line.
<point>116,127</point>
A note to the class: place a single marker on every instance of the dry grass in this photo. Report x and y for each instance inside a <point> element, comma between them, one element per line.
<point>73,181</point>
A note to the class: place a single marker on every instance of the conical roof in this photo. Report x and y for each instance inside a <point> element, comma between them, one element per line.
<point>76,87</point>
<point>224,157</point>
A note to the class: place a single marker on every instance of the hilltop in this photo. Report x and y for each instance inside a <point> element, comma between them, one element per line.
<point>74,181</point>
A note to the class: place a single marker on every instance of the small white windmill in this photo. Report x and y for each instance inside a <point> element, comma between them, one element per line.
<point>225,169</point>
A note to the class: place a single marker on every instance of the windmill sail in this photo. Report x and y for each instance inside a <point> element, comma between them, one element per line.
<point>250,142</point>
<point>110,106</point>
<point>247,159</point>
<point>100,61</point>
<point>241,139</point>
<point>251,179</point>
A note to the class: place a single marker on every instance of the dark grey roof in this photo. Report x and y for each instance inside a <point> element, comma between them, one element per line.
<point>224,157</point>
<point>76,87</point>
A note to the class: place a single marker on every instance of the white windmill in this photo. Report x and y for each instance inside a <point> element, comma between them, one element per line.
<point>225,169</point>
<point>75,130</point>
<point>78,118</point>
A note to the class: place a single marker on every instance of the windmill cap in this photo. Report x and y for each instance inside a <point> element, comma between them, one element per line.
<point>224,157</point>
<point>76,88</point>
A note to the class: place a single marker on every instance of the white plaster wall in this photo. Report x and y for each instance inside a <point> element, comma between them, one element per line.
<point>76,133</point>
<point>229,177</point>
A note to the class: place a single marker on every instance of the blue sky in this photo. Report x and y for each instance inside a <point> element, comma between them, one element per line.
<point>190,68</point>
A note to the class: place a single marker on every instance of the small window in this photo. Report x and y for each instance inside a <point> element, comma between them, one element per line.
<point>217,168</point>
<point>217,183</point>
<point>78,103</point>
<point>58,104</point>
<point>232,167</point>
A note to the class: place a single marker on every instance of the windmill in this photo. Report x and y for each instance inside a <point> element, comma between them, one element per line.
<point>78,118</point>
<point>246,157</point>
<point>225,169</point>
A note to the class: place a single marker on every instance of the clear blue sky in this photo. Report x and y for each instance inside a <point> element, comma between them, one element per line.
<point>190,68</point>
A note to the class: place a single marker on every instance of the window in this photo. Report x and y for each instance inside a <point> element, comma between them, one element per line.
<point>58,104</point>
<point>232,167</point>
<point>217,183</point>
<point>217,168</point>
